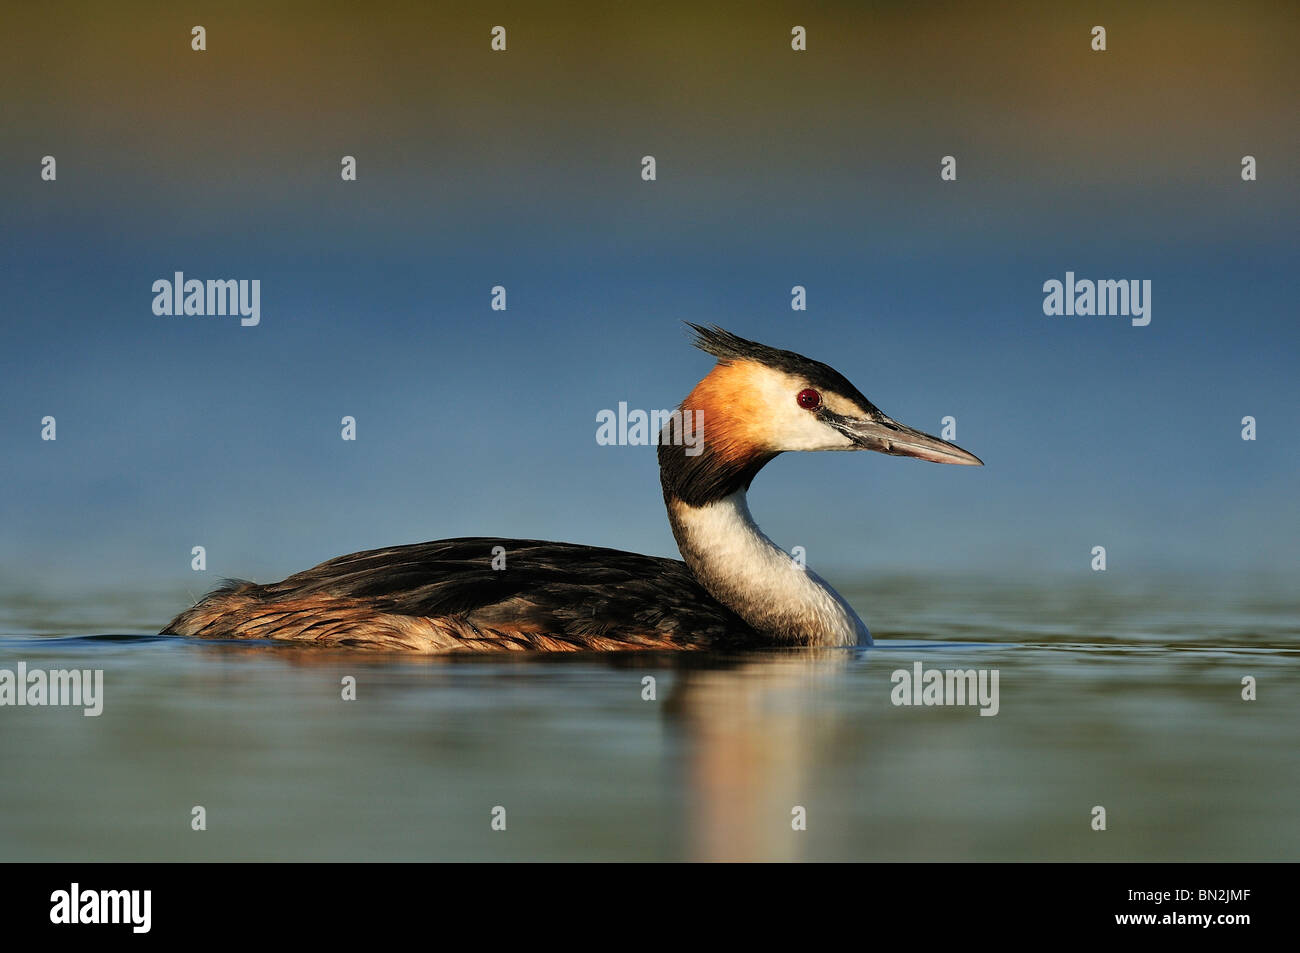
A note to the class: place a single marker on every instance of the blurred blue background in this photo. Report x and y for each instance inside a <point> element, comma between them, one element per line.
<point>523,169</point>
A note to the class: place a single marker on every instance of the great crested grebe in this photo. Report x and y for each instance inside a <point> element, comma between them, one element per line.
<point>736,588</point>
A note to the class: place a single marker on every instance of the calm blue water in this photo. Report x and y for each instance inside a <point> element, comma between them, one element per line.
<point>1113,692</point>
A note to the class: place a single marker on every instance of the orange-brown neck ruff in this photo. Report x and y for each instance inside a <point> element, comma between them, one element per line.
<point>730,418</point>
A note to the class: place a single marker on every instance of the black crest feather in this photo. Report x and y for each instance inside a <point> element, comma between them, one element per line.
<point>728,347</point>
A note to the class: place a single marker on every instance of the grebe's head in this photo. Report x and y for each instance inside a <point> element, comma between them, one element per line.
<point>760,401</point>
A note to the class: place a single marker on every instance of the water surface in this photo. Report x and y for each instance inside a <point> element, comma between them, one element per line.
<point>1113,692</point>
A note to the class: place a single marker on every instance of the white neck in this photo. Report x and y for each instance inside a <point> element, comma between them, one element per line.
<point>752,576</point>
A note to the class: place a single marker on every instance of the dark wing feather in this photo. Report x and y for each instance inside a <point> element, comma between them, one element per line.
<point>566,591</point>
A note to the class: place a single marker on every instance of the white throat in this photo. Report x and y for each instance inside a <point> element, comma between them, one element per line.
<point>752,576</point>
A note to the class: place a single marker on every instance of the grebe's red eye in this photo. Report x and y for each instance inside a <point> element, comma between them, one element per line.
<point>809,399</point>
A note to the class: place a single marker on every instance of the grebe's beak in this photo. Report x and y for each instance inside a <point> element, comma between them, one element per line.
<point>888,436</point>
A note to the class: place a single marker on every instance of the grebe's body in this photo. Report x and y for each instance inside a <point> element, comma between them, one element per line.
<point>736,588</point>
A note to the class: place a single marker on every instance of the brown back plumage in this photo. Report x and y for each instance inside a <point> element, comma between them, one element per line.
<point>445,596</point>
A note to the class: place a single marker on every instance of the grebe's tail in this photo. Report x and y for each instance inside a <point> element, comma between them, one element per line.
<point>239,609</point>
